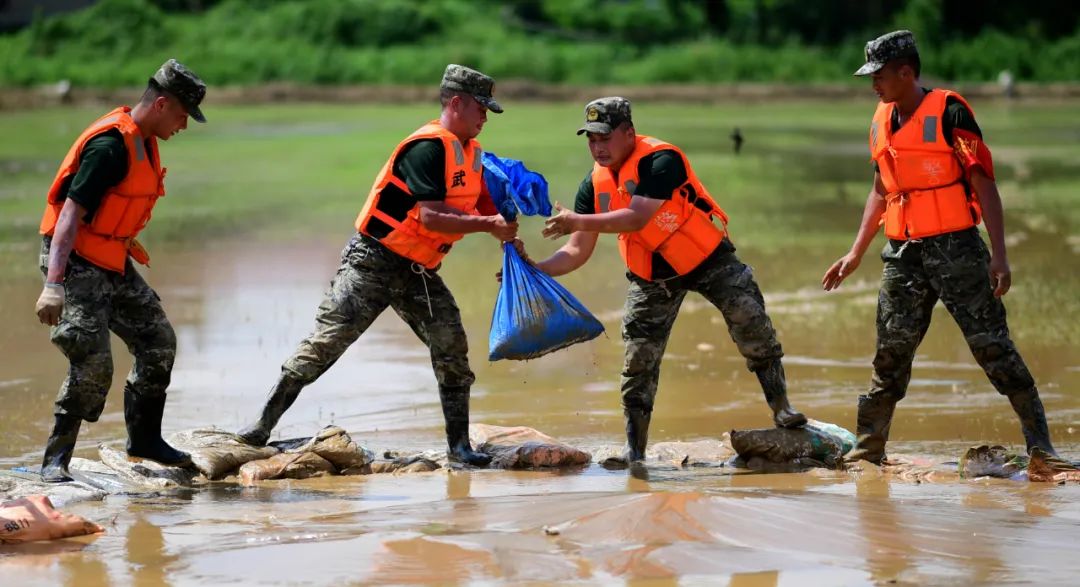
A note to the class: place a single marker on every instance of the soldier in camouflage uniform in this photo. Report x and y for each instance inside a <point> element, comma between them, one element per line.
<point>427,196</point>
<point>645,191</point>
<point>946,261</point>
<point>100,199</point>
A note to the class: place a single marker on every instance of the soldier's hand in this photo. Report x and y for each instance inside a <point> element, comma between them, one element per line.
<point>839,271</point>
<point>561,224</point>
<point>50,304</point>
<point>503,230</point>
<point>1000,276</point>
<point>519,246</point>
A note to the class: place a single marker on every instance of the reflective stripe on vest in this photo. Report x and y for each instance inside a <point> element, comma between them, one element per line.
<point>681,230</point>
<point>125,208</point>
<point>923,178</point>
<point>463,179</point>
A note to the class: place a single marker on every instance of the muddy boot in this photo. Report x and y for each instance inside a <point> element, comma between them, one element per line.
<point>143,418</point>
<point>637,434</point>
<point>455,406</point>
<point>774,384</point>
<point>58,449</point>
<point>282,395</point>
<point>872,429</point>
<point>1029,408</point>
<point>637,438</point>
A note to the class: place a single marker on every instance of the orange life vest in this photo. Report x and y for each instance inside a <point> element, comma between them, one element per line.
<point>924,179</point>
<point>681,230</point>
<point>125,209</point>
<point>407,235</point>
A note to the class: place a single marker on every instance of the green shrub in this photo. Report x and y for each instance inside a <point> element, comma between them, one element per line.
<point>118,42</point>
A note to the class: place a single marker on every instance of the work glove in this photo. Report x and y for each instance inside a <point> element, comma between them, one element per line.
<point>50,304</point>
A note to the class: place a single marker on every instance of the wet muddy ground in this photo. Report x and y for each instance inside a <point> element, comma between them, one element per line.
<point>240,305</point>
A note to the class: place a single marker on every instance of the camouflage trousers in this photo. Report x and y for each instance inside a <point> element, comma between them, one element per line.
<point>97,301</point>
<point>651,308</point>
<point>372,278</point>
<point>954,268</point>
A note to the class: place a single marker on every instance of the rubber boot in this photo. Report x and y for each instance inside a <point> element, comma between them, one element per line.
<point>281,396</point>
<point>1029,409</point>
<point>637,438</point>
<point>637,434</point>
<point>58,449</point>
<point>142,415</point>
<point>774,384</point>
<point>455,406</point>
<point>872,429</point>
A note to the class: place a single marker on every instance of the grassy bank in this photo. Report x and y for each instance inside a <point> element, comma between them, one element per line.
<point>117,42</point>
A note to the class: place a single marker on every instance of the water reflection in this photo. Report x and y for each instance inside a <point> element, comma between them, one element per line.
<point>149,561</point>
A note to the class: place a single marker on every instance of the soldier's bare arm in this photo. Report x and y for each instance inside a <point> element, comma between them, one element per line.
<point>440,217</point>
<point>50,303</point>
<point>570,256</point>
<point>67,225</point>
<point>846,265</point>
<point>630,219</point>
<point>994,217</point>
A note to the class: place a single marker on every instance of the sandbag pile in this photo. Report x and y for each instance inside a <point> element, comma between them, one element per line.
<point>217,453</point>
<point>330,452</point>
<point>817,444</point>
<point>1047,468</point>
<point>992,461</point>
<point>144,473</point>
<point>16,484</point>
<point>708,453</point>
<point>393,462</point>
<point>33,518</point>
<point>520,447</point>
<point>996,461</point>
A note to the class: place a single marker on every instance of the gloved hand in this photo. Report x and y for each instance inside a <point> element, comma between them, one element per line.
<point>50,303</point>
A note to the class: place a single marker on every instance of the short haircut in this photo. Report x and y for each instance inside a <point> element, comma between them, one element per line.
<point>911,61</point>
<point>152,92</point>
<point>445,95</point>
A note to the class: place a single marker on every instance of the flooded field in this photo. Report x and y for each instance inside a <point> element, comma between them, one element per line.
<point>261,202</point>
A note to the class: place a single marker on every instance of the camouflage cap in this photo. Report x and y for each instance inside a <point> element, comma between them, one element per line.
<point>603,115</point>
<point>181,82</point>
<point>886,47</point>
<point>463,79</point>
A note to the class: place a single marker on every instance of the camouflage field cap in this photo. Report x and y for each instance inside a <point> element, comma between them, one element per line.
<point>181,82</point>
<point>603,115</point>
<point>463,79</point>
<point>886,47</point>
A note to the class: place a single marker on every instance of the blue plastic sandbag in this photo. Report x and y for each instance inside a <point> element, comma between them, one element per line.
<point>512,185</point>
<point>534,315</point>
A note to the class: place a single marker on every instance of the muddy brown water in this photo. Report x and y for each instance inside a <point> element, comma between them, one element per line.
<point>238,316</point>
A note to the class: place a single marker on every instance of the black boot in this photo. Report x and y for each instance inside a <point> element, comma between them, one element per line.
<point>637,433</point>
<point>58,449</point>
<point>282,395</point>
<point>872,428</point>
<point>774,384</point>
<point>637,438</point>
<point>142,415</point>
<point>455,407</point>
<point>1029,408</point>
